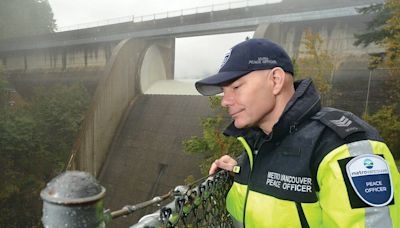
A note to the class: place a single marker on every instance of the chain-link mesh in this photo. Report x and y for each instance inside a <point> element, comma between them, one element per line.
<point>196,205</point>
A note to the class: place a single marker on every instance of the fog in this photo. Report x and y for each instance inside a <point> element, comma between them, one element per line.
<point>197,57</point>
<point>72,13</point>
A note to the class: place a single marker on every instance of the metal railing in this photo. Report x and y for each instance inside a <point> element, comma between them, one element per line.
<point>169,14</point>
<point>66,203</point>
<point>200,205</point>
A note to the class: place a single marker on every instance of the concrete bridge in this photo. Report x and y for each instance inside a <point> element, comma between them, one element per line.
<point>82,54</point>
<point>91,47</point>
<point>131,140</point>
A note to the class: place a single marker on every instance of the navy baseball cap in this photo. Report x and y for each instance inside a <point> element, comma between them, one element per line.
<point>243,58</point>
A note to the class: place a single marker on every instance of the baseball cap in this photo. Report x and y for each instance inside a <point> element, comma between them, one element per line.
<point>243,58</point>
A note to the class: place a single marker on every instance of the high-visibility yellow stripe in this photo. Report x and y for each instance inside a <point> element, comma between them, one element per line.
<point>266,211</point>
<point>248,150</point>
<point>235,201</point>
<point>313,214</point>
<point>394,210</point>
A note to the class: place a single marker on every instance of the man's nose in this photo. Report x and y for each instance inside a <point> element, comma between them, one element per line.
<point>227,99</point>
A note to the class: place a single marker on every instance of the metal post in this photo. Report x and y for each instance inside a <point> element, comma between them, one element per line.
<point>73,199</point>
<point>369,85</point>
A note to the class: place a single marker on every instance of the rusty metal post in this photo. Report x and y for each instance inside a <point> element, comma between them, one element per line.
<point>73,199</point>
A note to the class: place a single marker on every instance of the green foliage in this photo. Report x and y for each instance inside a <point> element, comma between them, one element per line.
<point>25,18</point>
<point>387,122</point>
<point>392,49</point>
<point>59,112</point>
<point>213,144</point>
<point>384,30</point>
<point>35,140</point>
<point>375,32</point>
<point>316,63</point>
<point>20,182</point>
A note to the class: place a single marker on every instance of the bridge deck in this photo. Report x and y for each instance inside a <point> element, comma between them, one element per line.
<point>214,22</point>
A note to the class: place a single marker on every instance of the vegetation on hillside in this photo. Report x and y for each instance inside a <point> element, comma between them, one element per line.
<point>25,18</point>
<point>35,141</point>
<point>36,135</point>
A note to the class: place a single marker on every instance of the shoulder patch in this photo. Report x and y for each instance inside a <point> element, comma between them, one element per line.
<point>370,178</point>
<point>341,122</point>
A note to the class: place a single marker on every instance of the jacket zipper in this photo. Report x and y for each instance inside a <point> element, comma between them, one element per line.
<point>251,161</point>
<point>245,201</point>
<point>250,155</point>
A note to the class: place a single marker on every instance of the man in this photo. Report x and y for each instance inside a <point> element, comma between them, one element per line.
<point>304,166</point>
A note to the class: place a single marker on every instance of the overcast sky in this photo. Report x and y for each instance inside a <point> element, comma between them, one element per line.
<point>194,57</point>
<point>73,12</point>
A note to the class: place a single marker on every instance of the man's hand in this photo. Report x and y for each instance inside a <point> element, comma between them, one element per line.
<point>225,162</point>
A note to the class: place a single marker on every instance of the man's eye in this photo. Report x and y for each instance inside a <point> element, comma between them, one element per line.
<point>236,87</point>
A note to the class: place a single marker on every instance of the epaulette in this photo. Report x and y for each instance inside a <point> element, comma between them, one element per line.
<point>341,122</point>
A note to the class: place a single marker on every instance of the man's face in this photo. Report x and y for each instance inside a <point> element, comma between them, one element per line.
<point>250,99</point>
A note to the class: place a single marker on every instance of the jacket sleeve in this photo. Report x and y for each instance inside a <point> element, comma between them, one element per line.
<point>359,186</point>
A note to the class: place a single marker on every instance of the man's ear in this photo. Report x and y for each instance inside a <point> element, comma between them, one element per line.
<point>278,79</point>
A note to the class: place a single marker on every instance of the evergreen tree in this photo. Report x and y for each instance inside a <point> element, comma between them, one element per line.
<point>25,18</point>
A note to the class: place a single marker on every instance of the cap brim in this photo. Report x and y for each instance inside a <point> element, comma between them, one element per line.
<point>213,84</point>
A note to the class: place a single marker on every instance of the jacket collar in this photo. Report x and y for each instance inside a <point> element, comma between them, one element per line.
<point>304,103</point>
